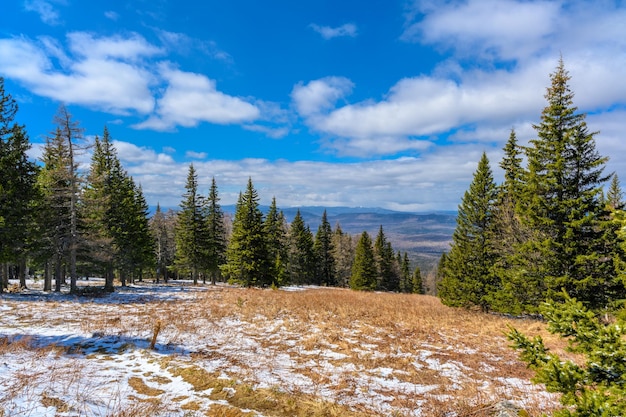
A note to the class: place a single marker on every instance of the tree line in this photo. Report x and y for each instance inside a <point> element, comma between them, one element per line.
<point>549,231</point>
<point>69,222</point>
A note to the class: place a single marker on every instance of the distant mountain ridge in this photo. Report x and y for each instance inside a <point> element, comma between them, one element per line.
<point>424,236</point>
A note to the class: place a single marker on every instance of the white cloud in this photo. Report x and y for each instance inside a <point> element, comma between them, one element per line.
<point>45,9</point>
<point>195,155</point>
<point>101,73</point>
<point>111,15</point>
<point>327,32</point>
<point>320,95</point>
<point>184,44</point>
<point>193,98</point>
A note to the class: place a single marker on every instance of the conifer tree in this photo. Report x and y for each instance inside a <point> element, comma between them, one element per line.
<point>323,246</point>
<point>18,191</point>
<point>388,280</point>
<point>275,228</point>
<point>563,199</point>
<point>364,271</point>
<point>406,285</point>
<point>216,255</point>
<point>615,196</point>
<point>467,278</point>
<point>247,256</point>
<point>416,281</point>
<point>191,229</point>
<point>69,131</point>
<point>302,262</point>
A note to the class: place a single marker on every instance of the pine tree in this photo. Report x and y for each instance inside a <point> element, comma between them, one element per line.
<point>55,184</point>
<point>563,199</point>
<point>247,256</point>
<point>302,262</point>
<point>18,191</point>
<point>406,285</point>
<point>216,255</point>
<point>364,272</point>
<point>388,280</point>
<point>591,386</point>
<point>191,229</point>
<point>416,281</point>
<point>69,131</point>
<point>275,228</point>
<point>323,247</point>
<point>615,196</point>
<point>467,277</point>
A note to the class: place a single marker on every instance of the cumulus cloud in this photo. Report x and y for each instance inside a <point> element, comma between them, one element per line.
<point>320,95</point>
<point>327,32</point>
<point>193,98</point>
<point>195,155</point>
<point>101,73</point>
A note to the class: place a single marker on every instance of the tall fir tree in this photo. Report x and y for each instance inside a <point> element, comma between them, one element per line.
<point>276,229</point>
<point>191,229</point>
<point>216,255</point>
<point>325,272</point>
<point>247,256</point>
<point>615,196</point>
<point>302,262</point>
<point>388,280</point>
<point>563,200</point>
<point>364,271</point>
<point>18,191</point>
<point>467,276</point>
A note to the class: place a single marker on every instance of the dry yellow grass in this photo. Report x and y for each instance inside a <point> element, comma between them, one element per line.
<point>343,343</point>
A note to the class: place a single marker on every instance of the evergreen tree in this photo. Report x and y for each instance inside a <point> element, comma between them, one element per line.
<point>216,255</point>
<point>191,229</point>
<point>467,279</point>
<point>416,281</point>
<point>323,247</point>
<point>364,272</point>
<point>275,228</point>
<point>18,191</point>
<point>69,131</point>
<point>55,185</point>
<point>615,196</point>
<point>591,386</point>
<point>387,278</point>
<point>343,254</point>
<point>563,200</point>
<point>406,285</point>
<point>302,262</point>
<point>247,256</point>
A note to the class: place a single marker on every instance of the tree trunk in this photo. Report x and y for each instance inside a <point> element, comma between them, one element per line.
<point>108,279</point>
<point>5,277</point>
<point>22,273</point>
<point>47,277</point>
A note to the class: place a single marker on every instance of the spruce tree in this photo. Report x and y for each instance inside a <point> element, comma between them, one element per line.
<point>323,246</point>
<point>247,256</point>
<point>275,228</point>
<point>216,255</point>
<point>364,271</point>
<point>302,262</point>
<point>563,200</point>
<point>18,191</point>
<point>467,276</point>
<point>416,281</point>
<point>615,196</point>
<point>191,229</point>
<point>388,280</point>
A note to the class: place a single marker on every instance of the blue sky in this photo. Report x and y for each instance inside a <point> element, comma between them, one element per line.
<point>378,103</point>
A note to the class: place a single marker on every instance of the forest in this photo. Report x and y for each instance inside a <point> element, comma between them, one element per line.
<point>58,222</point>
<point>549,241</point>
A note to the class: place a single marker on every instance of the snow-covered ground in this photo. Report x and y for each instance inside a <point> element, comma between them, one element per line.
<point>61,355</point>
